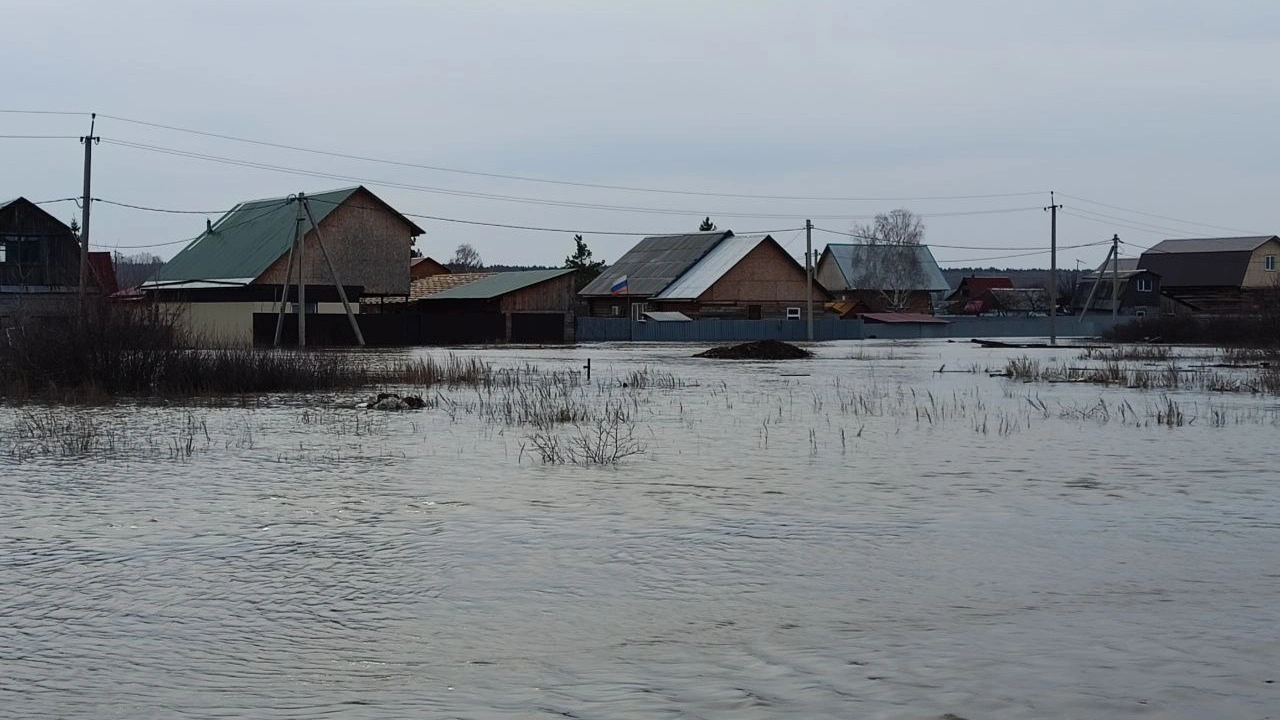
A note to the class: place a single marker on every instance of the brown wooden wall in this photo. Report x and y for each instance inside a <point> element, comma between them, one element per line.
<point>39,249</point>
<point>369,246</point>
<point>555,295</point>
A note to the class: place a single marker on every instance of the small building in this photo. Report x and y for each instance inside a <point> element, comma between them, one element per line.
<point>881,277</point>
<point>1216,275</point>
<point>530,306</point>
<point>237,266</point>
<point>1015,301</point>
<point>39,263</point>
<point>421,267</point>
<point>1140,291</point>
<point>965,299</point>
<point>704,275</point>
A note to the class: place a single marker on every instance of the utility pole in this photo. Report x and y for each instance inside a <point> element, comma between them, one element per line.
<point>288,276</point>
<point>342,293</point>
<point>808,271</point>
<point>85,202</point>
<point>1053,269</point>
<point>302,275</point>
<point>1115,276</point>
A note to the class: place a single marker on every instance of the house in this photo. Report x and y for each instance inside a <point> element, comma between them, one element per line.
<point>530,306</point>
<point>237,266</point>
<point>1216,274</point>
<point>1139,289</point>
<point>1015,301</point>
<point>39,263</point>
<point>703,275</point>
<point>964,299</point>
<point>421,267</point>
<point>882,278</point>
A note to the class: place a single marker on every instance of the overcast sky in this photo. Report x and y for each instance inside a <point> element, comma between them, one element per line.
<point>1166,107</point>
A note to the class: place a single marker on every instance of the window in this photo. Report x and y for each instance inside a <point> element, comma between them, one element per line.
<point>617,311</point>
<point>1143,284</point>
<point>1269,263</point>
<point>793,313</point>
<point>637,311</point>
<point>4,254</point>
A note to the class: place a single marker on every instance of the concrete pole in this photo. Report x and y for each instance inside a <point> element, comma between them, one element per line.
<point>1115,277</point>
<point>808,271</point>
<point>1053,270</point>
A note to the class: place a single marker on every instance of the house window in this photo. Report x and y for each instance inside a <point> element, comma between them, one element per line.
<point>617,311</point>
<point>1269,263</point>
<point>4,254</point>
<point>1143,284</point>
<point>793,313</point>
<point>637,311</point>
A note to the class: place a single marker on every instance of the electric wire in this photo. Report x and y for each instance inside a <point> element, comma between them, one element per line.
<point>600,186</point>
<point>1153,215</point>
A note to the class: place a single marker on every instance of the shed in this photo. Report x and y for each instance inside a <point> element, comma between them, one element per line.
<point>530,306</point>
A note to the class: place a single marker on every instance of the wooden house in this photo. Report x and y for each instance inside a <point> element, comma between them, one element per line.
<point>703,275</point>
<point>1139,290</point>
<point>1218,275</point>
<point>38,252</point>
<point>220,279</point>
<point>879,278</point>
<point>421,267</point>
<point>965,299</point>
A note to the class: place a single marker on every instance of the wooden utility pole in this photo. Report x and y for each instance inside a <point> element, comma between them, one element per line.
<point>288,275</point>
<point>1053,269</point>
<point>85,201</point>
<point>1097,280</point>
<point>342,293</point>
<point>302,274</point>
<point>808,271</point>
<point>1115,276</point>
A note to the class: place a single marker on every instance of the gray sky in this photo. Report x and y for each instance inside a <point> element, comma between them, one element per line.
<point>1165,107</point>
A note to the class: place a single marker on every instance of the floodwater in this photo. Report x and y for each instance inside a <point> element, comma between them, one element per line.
<point>851,536</point>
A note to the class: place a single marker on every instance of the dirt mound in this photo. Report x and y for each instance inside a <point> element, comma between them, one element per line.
<point>759,350</point>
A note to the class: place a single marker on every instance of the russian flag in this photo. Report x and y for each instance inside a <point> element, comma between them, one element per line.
<point>619,286</point>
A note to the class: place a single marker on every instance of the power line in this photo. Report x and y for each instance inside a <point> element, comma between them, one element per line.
<point>1026,254</point>
<point>39,137</point>
<point>949,247</point>
<point>513,198</point>
<point>162,210</point>
<point>41,112</point>
<point>1163,228</point>
<point>1158,217</point>
<point>525,178</point>
<point>1114,222</point>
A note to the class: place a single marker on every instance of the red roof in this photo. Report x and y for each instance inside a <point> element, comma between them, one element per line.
<point>974,285</point>
<point>103,272</point>
<point>902,318</point>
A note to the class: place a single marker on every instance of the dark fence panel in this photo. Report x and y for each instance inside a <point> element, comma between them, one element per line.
<point>385,330</point>
<point>537,327</point>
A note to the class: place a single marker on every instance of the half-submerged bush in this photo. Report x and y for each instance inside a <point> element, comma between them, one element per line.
<point>129,350</point>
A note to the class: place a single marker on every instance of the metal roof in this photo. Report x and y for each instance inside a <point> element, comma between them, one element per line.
<point>914,318</point>
<point>1210,245</point>
<point>857,261</point>
<point>251,236</point>
<point>1208,262</point>
<point>704,273</point>
<point>656,262</point>
<point>667,316</point>
<point>498,284</point>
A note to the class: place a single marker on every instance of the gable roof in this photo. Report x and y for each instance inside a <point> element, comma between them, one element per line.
<point>104,272</point>
<point>656,262</point>
<point>855,261</point>
<point>5,205</point>
<point>711,267</point>
<point>494,285</point>
<point>1202,262</point>
<point>978,284</point>
<point>420,288</point>
<point>245,241</point>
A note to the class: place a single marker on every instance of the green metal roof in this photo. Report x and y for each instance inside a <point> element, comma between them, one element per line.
<point>242,244</point>
<point>498,284</point>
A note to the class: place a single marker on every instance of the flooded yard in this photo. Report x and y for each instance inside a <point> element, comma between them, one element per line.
<point>853,535</point>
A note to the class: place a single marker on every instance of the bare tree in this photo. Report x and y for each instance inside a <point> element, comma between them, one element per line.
<point>892,257</point>
<point>466,259</point>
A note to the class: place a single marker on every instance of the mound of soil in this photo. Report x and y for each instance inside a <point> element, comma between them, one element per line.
<point>758,350</point>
